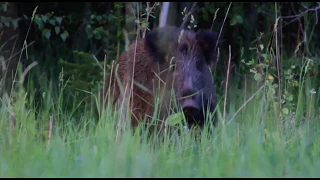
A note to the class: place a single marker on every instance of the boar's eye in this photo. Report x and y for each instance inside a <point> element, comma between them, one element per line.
<point>200,65</point>
<point>183,48</point>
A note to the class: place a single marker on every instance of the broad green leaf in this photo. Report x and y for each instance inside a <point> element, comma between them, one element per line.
<point>14,24</point>
<point>53,22</point>
<point>258,77</point>
<point>57,29</point>
<point>236,19</point>
<point>290,97</point>
<point>46,33</point>
<point>59,19</point>
<point>44,18</point>
<point>285,111</point>
<point>265,56</point>
<point>38,21</point>
<point>64,35</point>
<point>174,119</point>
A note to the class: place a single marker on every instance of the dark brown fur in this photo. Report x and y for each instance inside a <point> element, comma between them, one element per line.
<point>193,53</point>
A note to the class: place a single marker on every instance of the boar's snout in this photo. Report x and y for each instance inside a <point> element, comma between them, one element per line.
<point>192,110</point>
<point>190,107</point>
<point>189,101</point>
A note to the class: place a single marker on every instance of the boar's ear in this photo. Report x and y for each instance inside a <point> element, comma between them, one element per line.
<point>207,40</point>
<point>160,41</point>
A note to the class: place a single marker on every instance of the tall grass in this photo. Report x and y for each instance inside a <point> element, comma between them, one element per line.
<point>244,148</point>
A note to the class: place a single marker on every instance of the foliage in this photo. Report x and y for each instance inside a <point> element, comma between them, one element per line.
<point>6,21</point>
<point>73,46</point>
<point>47,127</point>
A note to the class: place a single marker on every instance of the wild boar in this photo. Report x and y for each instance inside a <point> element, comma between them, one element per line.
<point>169,58</point>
